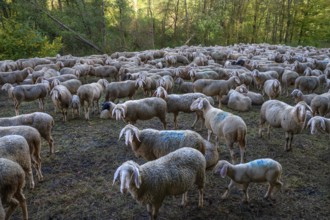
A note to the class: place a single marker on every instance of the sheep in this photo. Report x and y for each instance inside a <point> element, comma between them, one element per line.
<point>172,174</point>
<point>68,70</point>
<point>256,98</point>
<point>33,138</point>
<point>41,121</point>
<point>13,77</point>
<point>223,124</point>
<point>29,93</point>
<point>141,109</point>
<point>72,84</point>
<point>260,170</point>
<point>184,87</point>
<point>75,105</point>
<point>309,83</point>
<point>272,88</point>
<point>279,114</point>
<point>15,147</point>
<point>298,96</point>
<point>181,103</point>
<point>7,87</point>
<point>288,78</point>
<point>90,94</point>
<point>261,77</point>
<point>62,99</point>
<point>107,108</point>
<point>11,188</point>
<point>218,88</point>
<point>166,82</point>
<point>122,89</point>
<point>245,78</point>
<point>148,84</point>
<point>239,102</point>
<point>320,104</point>
<point>56,66</point>
<point>318,123</point>
<point>105,72</point>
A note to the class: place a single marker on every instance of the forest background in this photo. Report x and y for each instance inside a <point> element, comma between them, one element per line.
<point>41,28</point>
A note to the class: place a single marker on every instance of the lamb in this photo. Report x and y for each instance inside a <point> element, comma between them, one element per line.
<point>90,94</point>
<point>172,174</point>
<point>320,104</point>
<point>309,83</point>
<point>33,138</point>
<point>181,103</point>
<point>29,93</point>
<point>279,114</point>
<point>15,148</point>
<point>223,124</point>
<point>260,170</point>
<point>272,88</point>
<point>288,78</point>
<point>11,188</point>
<point>184,87</point>
<point>13,77</point>
<point>298,96</point>
<point>62,99</point>
<point>122,89</point>
<point>41,121</point>
<point>239,102</point>
<point>142,109</point>
<point>318,123</point>
<point>218,88</point>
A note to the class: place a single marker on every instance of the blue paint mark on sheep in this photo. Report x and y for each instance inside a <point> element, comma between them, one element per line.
<point>167,136</point>
<point>221,116</point>
<point>260,163</point>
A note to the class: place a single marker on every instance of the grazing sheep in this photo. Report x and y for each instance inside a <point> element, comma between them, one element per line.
<point>272,88</point>
<point>181,103</point>
<point>298,96</point>
<point>122,89</point>
<point>152,144</point>
<point>142,109</point>
<point>11,188</point>
<point>288,78</point>
<point>90,94</point>
<point>41,121</point>
<point>309,84</point>
<point>223,124</point>
<point>217,88</point>
<point>15,148</point>
<point>320,104</point>
<point>260,170</point>
<point>279,114</point>
<point>318,123</point>
<point>13,77</point>
<point>29,93</point>
<point>172,174</point>
<point>184,87</point>
<point>62,99</point>
<point>33,138</point>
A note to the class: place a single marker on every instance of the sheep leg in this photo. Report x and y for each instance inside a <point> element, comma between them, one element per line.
<point>194,123</point>
<point>155,208</point>
<point>200,198</point>
<point>229,187</point>
<point>36,160</point>
<point>184,199</point>
<point>288,141</point>
<point>242,149</point>
<point>31,180</point>
<point>232,152</point>
<point>209,132</point>
<point>245,191</point>
<point>175,115</point>
<point>13,203</point>
<point>22,201</point>
<point>16,107</point>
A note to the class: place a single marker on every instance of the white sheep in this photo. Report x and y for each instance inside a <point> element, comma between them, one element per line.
<point>62,99</point>
<point>75,105</point>
<point>299,96</point>
<point>272,88</point>
<point>256,98</point>
<point>141,109</point>
<point>13,77</point>
<point>172,174</point>
<point>148,84</point>
<point>309,84</point>
<point>261,77</point>
<point>41,121</point>
<point>181,103</point>
<point>183,86</point>
<point>279,114</point>
<point>72,84</point>
<point>118,90</point>
<point>217,88</point>
<point>320,104</point>
<point>318,123</point>
<point>260,170</point>
<point>16,148</point>
<point>90,94</point>
<point>166,82</point>
<point>238,101</point>
<point>29,93</point>
<point>288,79</point>
<point>33,138</point>
<point>223,124</point>
<point>11,187</point>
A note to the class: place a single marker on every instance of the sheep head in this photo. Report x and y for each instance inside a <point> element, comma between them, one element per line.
<point>300,111</point>
<point>315,124</point>
<point>199,104</point>
<point>222,168</point>
<point>128,172</point>
<point>130,131</point>
<point>119,111</point>
<point>160,92</point>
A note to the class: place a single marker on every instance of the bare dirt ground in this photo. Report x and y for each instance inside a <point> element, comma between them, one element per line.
<point>78,179</point>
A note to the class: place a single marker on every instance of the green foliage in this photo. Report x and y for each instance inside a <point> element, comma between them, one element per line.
<point>18,40</point>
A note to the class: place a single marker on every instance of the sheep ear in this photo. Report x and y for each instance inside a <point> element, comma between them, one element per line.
<point>115,176</point>
<point>113,112</point>
<point>200,104</point>
<point>309,123</point>
<point>137,133</point>
<point>137,177</point>
<point>223,171</point>
<point>323,124</point>
<point>121,133</point>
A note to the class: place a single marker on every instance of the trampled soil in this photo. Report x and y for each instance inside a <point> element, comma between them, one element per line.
<point>78,179</point>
